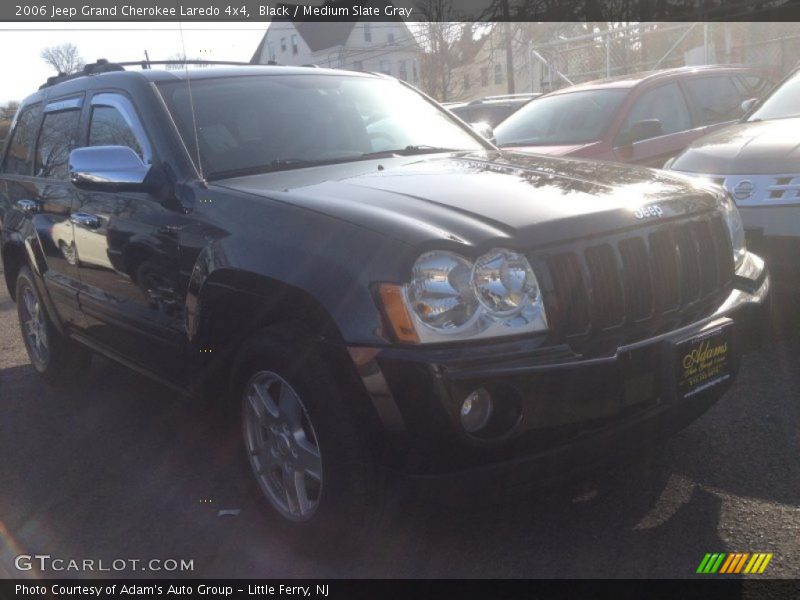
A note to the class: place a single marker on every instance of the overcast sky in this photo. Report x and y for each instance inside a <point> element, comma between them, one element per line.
<point>22,70</point>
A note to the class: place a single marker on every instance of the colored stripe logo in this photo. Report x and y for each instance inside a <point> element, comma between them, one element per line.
<point>733,563</point>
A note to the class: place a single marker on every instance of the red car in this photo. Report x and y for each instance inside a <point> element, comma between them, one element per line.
<point>645,118</point>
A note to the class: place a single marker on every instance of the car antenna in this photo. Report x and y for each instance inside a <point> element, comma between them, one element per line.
<point>147,61</point>
<point>191,107</point>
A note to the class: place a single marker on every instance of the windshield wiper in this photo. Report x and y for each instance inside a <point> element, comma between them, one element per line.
<point>279,164</point>
<point>410,151</point>
<point>287,164</point>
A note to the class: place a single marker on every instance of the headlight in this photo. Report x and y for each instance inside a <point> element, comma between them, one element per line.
<point>736,229</point>
<point>449,298</point>
<point>440,291</point>
<point>504,282</point>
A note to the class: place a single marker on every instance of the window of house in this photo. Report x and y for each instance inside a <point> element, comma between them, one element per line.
<point>414,73</point>
<point>56,141</point>
<point>283,44</point>
<point>271,51</point>
<point>386,67</point>
<point>498,74</point>
<point>18,159</point>
<point>358,65</point>
<point>295,48</point>
<point>484,76</point>
<point>390,37</point>
<point>367,32</point>
<point>402,70</point>
<point>109,128</point>
<point>466,81</point>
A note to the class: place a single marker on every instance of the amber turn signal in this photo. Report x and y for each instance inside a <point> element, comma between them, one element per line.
<point>394,309</point>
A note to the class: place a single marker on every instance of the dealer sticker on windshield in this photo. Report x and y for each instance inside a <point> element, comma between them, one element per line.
<point>704,361</point>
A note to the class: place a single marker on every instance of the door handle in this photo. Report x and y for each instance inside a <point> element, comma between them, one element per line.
<point>27,206</point>
<point>82,219</point>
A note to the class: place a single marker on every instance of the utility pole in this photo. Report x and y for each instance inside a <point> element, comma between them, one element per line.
<point>509,49</point>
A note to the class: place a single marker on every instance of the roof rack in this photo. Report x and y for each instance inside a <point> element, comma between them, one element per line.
<point>102,65</point>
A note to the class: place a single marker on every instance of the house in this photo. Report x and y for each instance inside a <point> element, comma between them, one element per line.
<point>386,47</point>
<point>484,72</point>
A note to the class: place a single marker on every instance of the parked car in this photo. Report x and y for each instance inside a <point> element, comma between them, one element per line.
<point>758,161</point>
<point>643,119</point>
<point>440,311</point>
<point>487,113</point>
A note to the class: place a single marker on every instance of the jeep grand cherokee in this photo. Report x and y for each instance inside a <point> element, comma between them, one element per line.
<point>368,286</point>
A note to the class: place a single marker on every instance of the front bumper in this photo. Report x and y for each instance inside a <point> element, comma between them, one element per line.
<point>574,410</point>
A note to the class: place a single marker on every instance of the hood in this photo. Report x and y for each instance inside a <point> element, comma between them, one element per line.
<point>483,198</point>
<point>762,147</point>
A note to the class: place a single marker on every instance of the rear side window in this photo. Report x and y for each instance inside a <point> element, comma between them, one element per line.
<point>18,161</point>
<point>750,86</point>
<point>109,128</point>
<point>56,141</point>
<point>716,99</point>
<point>665,103</point>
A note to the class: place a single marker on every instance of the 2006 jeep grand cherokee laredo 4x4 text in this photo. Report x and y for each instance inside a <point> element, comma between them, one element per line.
<point>370,286</point>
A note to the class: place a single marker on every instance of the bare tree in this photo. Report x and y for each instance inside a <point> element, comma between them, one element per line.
<point>181,58</point>
<point>8,110</point>
<point>64,58</point>
<point>4,126</point>
<point>439,34</point>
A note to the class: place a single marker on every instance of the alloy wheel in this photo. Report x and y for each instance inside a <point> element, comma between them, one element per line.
<point>34,326</point>
<point>282,446</point>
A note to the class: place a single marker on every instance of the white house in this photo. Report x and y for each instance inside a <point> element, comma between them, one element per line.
<point>386,47</point>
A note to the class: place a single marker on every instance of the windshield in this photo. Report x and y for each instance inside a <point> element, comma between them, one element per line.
<point>782,104</point>
<point>266,123</point>
<point>572,118</point>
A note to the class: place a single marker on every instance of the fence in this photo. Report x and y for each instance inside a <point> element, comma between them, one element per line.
<point>648,46</point>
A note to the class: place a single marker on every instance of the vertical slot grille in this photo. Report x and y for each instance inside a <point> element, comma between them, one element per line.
<point>607,300</point>
<point>571,298</point>
<point>690,269</point>
<point>638,282</point>
<point>634,279</point>
<point>666,265</point>
<point>706,258</point>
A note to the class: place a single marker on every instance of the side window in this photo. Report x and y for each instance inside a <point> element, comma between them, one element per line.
<point>751,86</point>
<point>716,99</point>
<point>109,128</point>
<point>56,140</point>
<point>665,103</point>
<point>18,161</point>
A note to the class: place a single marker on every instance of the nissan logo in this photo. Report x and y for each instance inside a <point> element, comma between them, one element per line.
<point>743,190</point>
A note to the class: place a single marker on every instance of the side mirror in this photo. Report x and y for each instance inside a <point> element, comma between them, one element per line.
<point>748,104</point>
<point>641,130</point>
<point>484,129</point>
<point>108,169</point>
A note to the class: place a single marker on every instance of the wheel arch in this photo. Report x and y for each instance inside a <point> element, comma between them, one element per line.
<point>14,258</point>
<point>264,306</point>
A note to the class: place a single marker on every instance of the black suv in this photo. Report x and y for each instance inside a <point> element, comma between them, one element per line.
<point>366,284</point>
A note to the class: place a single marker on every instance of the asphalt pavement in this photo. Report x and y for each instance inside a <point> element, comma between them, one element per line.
<point>122,468</point>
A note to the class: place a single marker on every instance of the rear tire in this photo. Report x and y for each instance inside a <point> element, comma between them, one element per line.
<point>58,360</point>
<point>299,431</point>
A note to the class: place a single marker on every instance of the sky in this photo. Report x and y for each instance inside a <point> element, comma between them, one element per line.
<point>22,69</point>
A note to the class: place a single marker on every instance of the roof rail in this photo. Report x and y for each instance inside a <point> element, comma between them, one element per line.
<point>102,65</point>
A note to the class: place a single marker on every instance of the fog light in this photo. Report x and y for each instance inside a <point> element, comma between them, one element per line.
<point>476,411</point>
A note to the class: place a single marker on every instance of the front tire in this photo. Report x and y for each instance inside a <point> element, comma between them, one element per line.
<point>308,462</point>
<point>58,360</point>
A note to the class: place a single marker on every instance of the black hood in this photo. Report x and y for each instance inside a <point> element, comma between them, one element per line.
<point>761,147</point>
<point>483,198</point>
